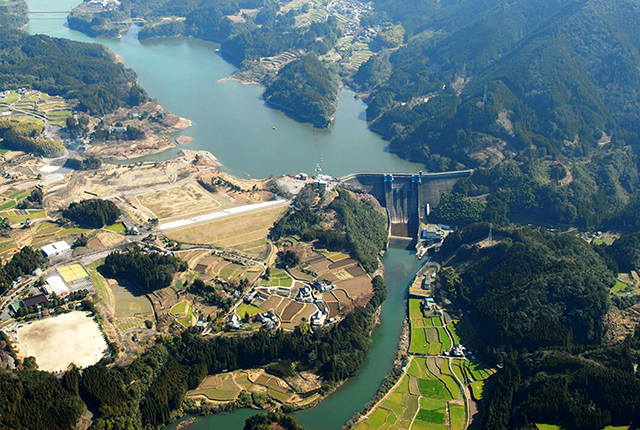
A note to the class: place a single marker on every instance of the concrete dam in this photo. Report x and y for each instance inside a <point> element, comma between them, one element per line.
<point>405,196</point>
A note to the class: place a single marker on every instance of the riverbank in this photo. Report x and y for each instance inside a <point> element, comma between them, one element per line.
<point>341,405</point>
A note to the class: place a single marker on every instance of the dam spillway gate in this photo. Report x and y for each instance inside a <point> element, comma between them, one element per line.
<point>406,197</point>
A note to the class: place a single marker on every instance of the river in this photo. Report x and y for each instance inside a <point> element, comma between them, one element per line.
<point>231,121</point>
<point>400,267</point>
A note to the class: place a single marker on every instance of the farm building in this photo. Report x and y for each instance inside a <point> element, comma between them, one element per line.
<point>55,285</point>
<point>55,248</point>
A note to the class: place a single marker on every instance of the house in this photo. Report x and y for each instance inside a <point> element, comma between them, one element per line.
<point>318,318</point>
<point>249,297</point>
<point>304,295</point>
<point>55,285</point>
<point>55,248</point>
<point>429,304</point>
<point>457,351</point>
<point>322,287</point>
<point>234,321</point>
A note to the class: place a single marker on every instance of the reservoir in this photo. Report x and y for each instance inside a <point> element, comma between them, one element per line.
<point>232,122</point>
<point>230,119</point>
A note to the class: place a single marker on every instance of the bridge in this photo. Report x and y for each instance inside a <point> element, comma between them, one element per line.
<point>49,11</point>
<point>405,196</point>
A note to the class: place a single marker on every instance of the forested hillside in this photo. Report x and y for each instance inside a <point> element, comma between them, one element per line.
<point>13,13</point>
<point>74,70</point>
<point>536,78</point>
<point>307,89</point>
<point>598,192</point>
<point>359,227</point>
<point>538,303</point>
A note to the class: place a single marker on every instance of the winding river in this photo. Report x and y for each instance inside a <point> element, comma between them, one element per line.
<point>232,121</point>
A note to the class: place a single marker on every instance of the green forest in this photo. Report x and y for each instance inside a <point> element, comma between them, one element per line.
<point>22,263</point>
<point>549,78</point>
<point>538,302</point>
<point>28,138</point>
<point>363,231</point>
<point>148,270</point>
<point>13,13</point>
<point>73,70</point>
<point>94,213</point>
<point>307,89</point>
<point>601,192</point>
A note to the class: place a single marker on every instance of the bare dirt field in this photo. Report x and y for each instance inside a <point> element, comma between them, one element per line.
<point>246,232</point>
<point>292,309</point>
<point>342,263</point>
<point>178,202</point>
<point>341,296</point>
<point>357,287</point>
<point>57,342</point>
<point>306,313</point>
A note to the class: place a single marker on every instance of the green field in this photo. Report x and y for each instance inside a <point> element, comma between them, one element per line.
<point>444,339</point>
<point>419,344</point>
<point>228,270</point>
<point>251,309</point>
<point>279,396</point>
<point>180,308</point>
<point>434,388</point>
<point>98,281</point>
<point>477,388</point>
<point>7,205</point>
<point>116,228</point>
<point>414,310</point>
<point>457,417</point>
<point>38,214</point>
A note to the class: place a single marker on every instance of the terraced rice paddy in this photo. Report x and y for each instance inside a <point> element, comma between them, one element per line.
<point>226,387</point>
<point>421,400</point>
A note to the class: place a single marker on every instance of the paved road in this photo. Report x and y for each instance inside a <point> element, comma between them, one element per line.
<point>222,214</point>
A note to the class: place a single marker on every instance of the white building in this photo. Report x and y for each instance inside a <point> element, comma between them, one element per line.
<point>55,285</point>
<point>318,318</point>
<point>55,248</point>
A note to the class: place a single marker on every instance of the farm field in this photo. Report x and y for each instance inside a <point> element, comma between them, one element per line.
<point>246,233</point>
<point>208,265</point>
<point>422,395</point>
<point>353,284</point>
<point>54,108</point>
<point>277,278</point>
<point>183,313</point>
<point>226,387</point>
<point>181,202</point>
<point>129,309</point>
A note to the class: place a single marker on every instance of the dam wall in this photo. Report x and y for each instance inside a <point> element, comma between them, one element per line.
<point>405,196</point>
